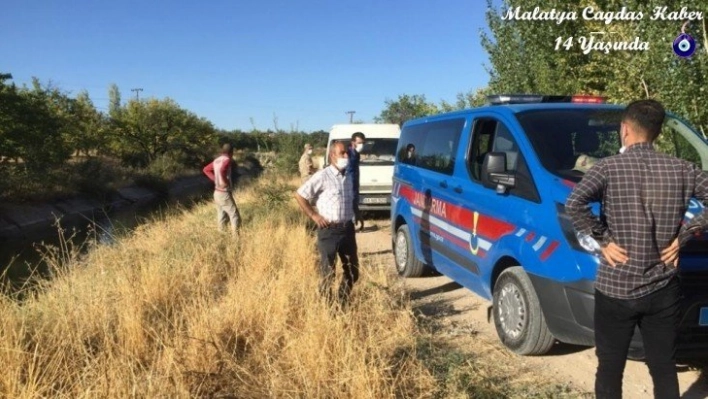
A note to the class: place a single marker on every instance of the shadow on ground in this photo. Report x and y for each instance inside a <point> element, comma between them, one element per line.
<point>699,388</point>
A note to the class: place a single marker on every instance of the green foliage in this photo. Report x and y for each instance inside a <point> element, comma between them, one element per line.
<point>523,56</point>
<point>54,145</point>
<point>86,129</point>
<point>114,104</point>
<point>94,177</point>
<point>275,202</point>
<point>275,194</point>
<point>168,166</point>
<point>672,143</point>
<point>148,129</point>
<point>289,148</point>
<point>32,125</point>
<point>406,107</point>
<point>257,141</point>
<point>471,99</point>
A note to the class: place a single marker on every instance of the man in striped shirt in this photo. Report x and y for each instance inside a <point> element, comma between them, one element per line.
<point>219,171</point>
<point>644,196</point>
<point>333,192</point>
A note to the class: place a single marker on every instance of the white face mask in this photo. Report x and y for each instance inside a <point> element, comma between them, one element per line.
<point>359,147</point>
<point>622,149</point>
<point>309,152</point>
<point>342,163</point>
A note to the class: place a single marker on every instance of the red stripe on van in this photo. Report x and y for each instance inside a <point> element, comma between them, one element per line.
<point>547,253</point>
<point>530,236</point>
<point>487,227</point>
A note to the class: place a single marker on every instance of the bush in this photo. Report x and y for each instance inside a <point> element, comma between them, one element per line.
<point>168,166</point>
<point>94,177</point>
<point>289,150</point>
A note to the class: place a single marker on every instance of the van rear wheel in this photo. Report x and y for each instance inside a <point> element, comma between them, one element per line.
<point>518,317</point>
<point>407,264</point>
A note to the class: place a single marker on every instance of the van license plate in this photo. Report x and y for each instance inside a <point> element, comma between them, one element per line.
<point>703,317</point>
<point>375,200</point>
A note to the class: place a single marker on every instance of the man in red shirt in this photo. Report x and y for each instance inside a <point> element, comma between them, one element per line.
<point>219,171</point>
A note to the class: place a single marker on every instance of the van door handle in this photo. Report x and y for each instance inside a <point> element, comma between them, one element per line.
<point>443,184</point>
<point>458,189</point>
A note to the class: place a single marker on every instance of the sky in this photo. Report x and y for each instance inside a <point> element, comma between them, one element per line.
<point>245,64</point>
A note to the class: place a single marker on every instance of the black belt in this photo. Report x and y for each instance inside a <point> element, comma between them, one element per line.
<point>339,225</point>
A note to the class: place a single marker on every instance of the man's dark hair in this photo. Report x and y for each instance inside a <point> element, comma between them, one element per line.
<point>227,148</point>
<point>648,115</point>
<point>410,146</point>
<point>359,135</point>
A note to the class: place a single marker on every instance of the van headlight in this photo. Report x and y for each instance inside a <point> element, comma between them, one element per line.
<point>588,243</point>
<point>578,241</point>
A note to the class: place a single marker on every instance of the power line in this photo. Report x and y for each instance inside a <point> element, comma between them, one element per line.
<point>351,115</point>
<point>137,91</point>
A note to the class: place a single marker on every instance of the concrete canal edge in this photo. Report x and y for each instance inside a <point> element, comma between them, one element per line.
<point>27,221</point>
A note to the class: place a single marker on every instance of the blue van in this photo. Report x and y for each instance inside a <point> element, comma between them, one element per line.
<point>479,196</point>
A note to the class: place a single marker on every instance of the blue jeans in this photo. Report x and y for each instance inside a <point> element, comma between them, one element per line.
<point>657,315</point>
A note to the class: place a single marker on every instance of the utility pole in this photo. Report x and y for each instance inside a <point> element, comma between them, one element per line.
<point>137,91</point>
<point>351,115</point>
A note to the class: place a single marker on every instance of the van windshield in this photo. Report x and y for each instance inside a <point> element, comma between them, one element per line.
<point>568,142</point>
<point>379,151</point>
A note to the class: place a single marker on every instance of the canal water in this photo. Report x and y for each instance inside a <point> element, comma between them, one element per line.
<point>20,257</point>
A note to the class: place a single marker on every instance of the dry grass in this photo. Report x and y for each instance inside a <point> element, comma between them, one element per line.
<point>180,310</point>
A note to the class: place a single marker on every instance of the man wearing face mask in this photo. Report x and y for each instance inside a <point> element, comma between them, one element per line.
<point>332,190</point>
<point>305,165</point>
<point>354,152</point>
<point>644,196</point>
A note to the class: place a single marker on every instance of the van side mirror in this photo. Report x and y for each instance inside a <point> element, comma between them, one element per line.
<point>494,173</point>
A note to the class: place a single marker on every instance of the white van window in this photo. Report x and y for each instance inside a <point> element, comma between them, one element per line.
<point>379,151</point>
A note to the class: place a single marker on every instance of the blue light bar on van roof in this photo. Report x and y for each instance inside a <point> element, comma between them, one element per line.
<point>499,99</point>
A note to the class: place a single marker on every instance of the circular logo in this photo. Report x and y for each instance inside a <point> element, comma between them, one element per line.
<point>684,45</point>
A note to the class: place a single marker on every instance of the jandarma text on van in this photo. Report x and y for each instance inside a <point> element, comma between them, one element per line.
<point>589,13</point>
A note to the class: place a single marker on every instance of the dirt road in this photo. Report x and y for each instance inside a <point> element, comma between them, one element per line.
<point>463,311</point>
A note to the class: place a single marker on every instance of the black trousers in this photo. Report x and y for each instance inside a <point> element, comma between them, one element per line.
<point>332,241</point>
<point>657,316</point>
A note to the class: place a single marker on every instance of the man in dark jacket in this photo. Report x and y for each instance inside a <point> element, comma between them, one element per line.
<point>354,152</point>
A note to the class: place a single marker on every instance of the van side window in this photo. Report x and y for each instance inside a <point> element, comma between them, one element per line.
<point>481,144</point>
<point>490,135</point>
<point>431,146</point>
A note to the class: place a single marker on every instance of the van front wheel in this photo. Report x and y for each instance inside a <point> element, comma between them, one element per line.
<point>518,317</point>
<point>407,264</point>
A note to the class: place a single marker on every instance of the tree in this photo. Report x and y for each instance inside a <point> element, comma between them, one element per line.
<point>10,110</point>
<point>114,104</point>
<point>471,99</point>
<point>32,123</point>
<point>548,58</point>
<point>406,107</point>
<point>150,128</point>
